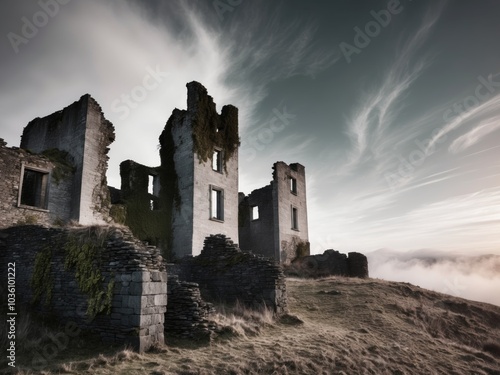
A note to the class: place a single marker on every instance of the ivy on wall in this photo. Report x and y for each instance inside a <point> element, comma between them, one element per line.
<point>64,166</point>
<point>42,281</point>
<point>82,255</point>
<point>211,131</point>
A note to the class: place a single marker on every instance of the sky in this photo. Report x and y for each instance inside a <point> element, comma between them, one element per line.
<point>392,106</point>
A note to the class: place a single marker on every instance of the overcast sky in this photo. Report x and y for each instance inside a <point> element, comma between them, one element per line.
<point>392,106</point>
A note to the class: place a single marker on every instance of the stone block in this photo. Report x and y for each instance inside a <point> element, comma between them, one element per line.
<point>139,276</point>
<point>160,300</point>
<point>159,276</point>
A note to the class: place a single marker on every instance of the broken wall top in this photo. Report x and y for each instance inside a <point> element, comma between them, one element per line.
<point>210,130</point>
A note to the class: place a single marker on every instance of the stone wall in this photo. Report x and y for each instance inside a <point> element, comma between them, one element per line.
<point>257,235</point>
<point>145,215</point>
<point>132,274</point>
<point>225,273</point>
<point>284,199</point>
<point>273,234</point>
<point>330,263</point>
<point>82,131</point>
<point>58,188</point>
<point>187,144</point>
<point>187,314</point>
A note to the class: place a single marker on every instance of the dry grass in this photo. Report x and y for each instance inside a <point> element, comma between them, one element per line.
<point>342,326</point>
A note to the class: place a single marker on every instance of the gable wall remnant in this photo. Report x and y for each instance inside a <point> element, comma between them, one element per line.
<point>57,191</point>
<point>81,131</point>
<point>275,233</point>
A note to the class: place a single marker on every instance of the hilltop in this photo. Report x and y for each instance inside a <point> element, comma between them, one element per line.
<point>346,326</point>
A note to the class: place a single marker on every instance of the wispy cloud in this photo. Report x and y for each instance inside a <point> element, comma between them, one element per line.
<point>110,58</point>
<point>489,108</point>
<point>367,127</point>
<point>475,135</point>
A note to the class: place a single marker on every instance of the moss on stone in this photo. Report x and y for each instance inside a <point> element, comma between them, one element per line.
<point>42,281</point>
<point>62,162</point>
<point>118,213</point>
<point>211,131</point>
<point>83,256</point>
<point>302,249</point>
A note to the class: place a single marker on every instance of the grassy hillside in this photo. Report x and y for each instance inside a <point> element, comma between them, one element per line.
<point>349,326</point>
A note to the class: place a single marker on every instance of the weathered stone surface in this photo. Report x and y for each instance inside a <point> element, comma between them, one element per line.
<point>330,263</point>
<point>274,233</point>
<point>225,273</point>
<point>188,314</point>
<point>122,258</point>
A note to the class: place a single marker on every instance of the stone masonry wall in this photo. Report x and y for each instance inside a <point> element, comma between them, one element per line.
<point>135,273</point>
<point>187,314</point>
<point>81,130</point>
<point>59,189</point>
<point>284,200</point>
<point>225,273</point>
<point>257,235</point>
<point>187,144</point>
<point>330,263</point>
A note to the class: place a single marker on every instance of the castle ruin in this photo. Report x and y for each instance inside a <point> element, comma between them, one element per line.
<point>58,222</point>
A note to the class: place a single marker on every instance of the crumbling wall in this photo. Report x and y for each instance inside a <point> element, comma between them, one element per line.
<point>177,183</point>
<point>225,273</point>
<point>330,263</point>
<point>275,234</point>
<point>187,144</point>
<point>144,213</point>
<point>290,238</point>
<point>257,235</point>
<point>188,314</point>
<point>57,269</point>
<point>59,186</point>
<point>82,131</point>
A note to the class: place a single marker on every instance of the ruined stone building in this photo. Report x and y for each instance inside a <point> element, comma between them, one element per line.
<point>194,192</point>
<point>111,279</point>
<point>273,219</point>
<point>58,175</point>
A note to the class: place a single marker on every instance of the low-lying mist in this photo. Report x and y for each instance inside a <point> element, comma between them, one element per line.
<point>472,277</point>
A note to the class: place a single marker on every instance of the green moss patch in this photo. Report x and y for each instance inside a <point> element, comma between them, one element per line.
<point>211,131</point>
<point>42,281</point>
<point>63,163</point>
<point>83,253</point>
<point>302,249</point>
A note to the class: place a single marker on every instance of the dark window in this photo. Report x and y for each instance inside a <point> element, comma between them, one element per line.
<point>216,204</point>
<point>255,212</point>
<point>293,185</point>
<point>34,188</point>
<point>217,161</point>
<point>295,219</point>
